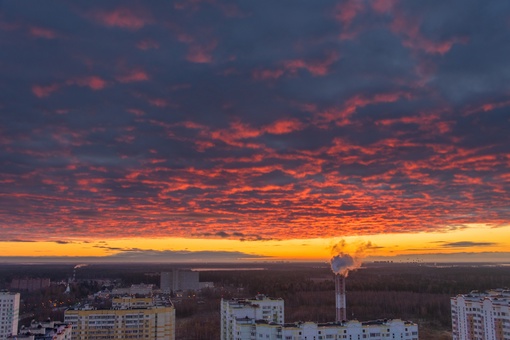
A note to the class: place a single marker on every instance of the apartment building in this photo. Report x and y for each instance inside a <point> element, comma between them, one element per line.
<point>9,314</point>
<point>129,318</point>
<point>481,315</point>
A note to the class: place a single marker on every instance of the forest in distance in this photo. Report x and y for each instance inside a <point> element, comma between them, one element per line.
<point>414,291</point>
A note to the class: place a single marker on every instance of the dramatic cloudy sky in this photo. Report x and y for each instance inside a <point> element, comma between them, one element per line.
<point>253,120</point>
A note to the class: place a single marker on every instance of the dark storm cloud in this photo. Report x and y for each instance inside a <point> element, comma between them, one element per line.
<point>252,120</point>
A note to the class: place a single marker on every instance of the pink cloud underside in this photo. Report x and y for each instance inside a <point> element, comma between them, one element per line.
<point>341,115</point>
<point>122,17</point>
<point>346,11</point>
<point>41,91</point>
<point>317,68</point>
<point>147,44</point>
<point>383,6</point>
<point>40,32</point>
<point>133,76</point>
<point>201,53</point>
<point>93,82</point>
<point>409,29</point>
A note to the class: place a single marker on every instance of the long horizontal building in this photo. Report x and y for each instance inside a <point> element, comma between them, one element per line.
<point>262,318</point>
<point>129,318</point>
<point>246,329</point>
<point>481,315</point>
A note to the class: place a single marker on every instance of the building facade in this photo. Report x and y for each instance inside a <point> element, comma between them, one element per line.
<point>9,314</point>
<point>30,284</point>
<point>259,308</point>
<point>345,330</point>
<point>129,318</point>
<point>481,315</point>
<point>177,280</point>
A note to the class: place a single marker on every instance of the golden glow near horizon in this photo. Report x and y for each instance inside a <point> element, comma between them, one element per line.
<point>474,238</point>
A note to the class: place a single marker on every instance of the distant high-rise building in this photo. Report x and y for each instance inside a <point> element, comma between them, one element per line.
<point>179,279</point>
<point>9,314</point>
<point>129,318</point>
<point>259,308</point>
<point>481,315</point>
<point>29,284</point>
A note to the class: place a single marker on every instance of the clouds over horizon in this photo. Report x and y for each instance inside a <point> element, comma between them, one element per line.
<point>253,120</point>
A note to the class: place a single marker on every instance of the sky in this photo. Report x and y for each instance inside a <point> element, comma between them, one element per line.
<point>203,130</point>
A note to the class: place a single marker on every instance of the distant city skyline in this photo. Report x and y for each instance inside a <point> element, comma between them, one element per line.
<point>254,130</point>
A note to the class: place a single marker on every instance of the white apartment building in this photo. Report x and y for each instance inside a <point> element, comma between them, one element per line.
<point>481,315</point>
<point>259,308</point>
<point>130,318</point>
<point>349,330</point>
<point>9,314</point>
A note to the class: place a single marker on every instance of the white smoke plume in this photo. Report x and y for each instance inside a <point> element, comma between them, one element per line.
<point>80,265</point>
<point>342,262</point>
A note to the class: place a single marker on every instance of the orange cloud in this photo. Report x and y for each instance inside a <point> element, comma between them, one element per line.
<point>284,126</point>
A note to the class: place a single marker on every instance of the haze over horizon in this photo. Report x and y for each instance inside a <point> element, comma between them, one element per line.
<point>254,129</point>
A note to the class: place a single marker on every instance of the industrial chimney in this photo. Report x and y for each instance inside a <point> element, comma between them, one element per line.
<point>341,312</point>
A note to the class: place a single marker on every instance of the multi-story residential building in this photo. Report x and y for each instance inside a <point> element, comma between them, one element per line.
<point>179,279</point>
<point>263,318</point>
<point>481,315</point>
<point>250,329</point>
<point>9,314</point>
<point>47,330</point>
<point>129,318</point>
<point>259,308</point>
<point>29,284</point>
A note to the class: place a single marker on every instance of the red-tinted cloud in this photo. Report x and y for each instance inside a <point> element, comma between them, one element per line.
<point>201,53</point>
<point>42,91</point>
<point>93,82</point>
<point>123,18</point>
<point>409,29</point>
<point>40,32</point>
<point>133,76</point>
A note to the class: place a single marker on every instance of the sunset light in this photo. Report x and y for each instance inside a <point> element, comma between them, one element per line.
<point>212,131</point>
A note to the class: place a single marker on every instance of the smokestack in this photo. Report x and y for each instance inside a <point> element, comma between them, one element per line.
<point>341,312</point>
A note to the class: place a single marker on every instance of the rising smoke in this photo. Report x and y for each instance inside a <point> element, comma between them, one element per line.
<point>80,265</point>
<point>342,262</point>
